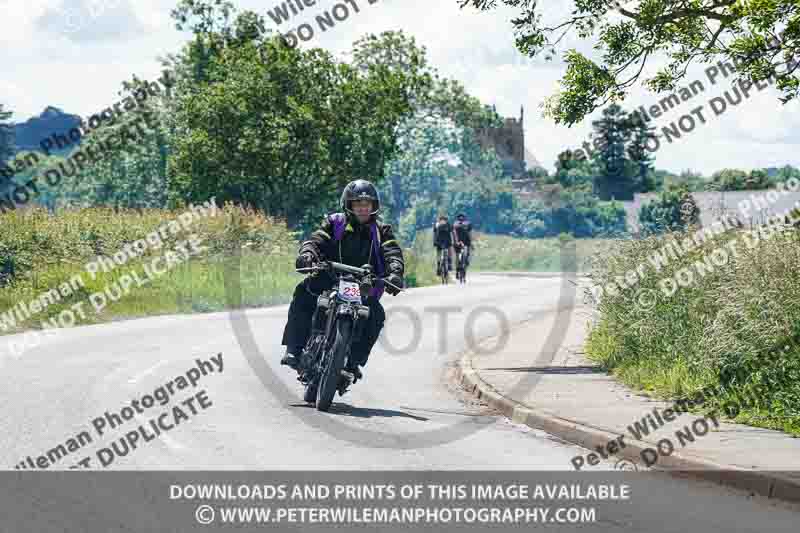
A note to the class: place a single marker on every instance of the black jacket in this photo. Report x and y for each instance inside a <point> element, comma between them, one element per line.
<point>355,246</point>
<point>463,230</point>
<point>442,234</point>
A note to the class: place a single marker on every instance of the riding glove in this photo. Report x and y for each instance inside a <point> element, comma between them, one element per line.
<point>305,260</point>
<point>394,279</point>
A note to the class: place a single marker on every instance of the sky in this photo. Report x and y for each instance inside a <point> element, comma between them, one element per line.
<point>74,55</point>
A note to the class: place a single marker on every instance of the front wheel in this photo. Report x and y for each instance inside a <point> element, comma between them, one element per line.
<point>329,380</point>
<point>310,394</point>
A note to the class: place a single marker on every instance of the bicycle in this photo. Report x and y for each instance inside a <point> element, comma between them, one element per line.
<point>443,271</point>
<point>461,265</point>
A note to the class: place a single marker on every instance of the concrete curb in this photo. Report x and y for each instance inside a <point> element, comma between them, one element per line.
<point>764,483</point>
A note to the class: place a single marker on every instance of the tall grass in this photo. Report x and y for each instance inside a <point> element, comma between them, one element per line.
<point>40,251</point>
<point>736,327</point>
<point>249,262</point>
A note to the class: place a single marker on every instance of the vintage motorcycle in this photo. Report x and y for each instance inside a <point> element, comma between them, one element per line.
<point>338,320</point>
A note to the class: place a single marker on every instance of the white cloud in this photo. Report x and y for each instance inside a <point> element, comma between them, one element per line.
<point>91,20</point>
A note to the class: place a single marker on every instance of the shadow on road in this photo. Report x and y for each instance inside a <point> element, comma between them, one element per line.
<point>364,412</point>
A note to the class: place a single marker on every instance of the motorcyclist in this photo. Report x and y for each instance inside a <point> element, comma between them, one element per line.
<point>443,238</point>
<point>360,203</point>
<point>462,234</point>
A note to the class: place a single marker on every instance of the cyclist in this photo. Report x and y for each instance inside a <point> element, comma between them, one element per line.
<point>443,238</point>
<point>462,234</point>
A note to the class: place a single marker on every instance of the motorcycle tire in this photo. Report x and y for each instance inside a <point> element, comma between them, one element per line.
<point>329,381</point>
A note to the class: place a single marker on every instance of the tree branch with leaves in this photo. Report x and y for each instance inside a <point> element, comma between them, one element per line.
<point>762,37</point>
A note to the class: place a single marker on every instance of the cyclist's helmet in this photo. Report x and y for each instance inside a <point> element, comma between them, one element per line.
<point>360,190</point>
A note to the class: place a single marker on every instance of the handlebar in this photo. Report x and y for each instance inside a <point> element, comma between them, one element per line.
<point>324,266</point>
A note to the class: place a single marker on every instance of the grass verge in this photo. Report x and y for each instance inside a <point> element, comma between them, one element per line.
<point>252,253</point>
<point>506,253</point>
<point>733,326</point>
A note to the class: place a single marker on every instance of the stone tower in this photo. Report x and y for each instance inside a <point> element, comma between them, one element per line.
<point>509,142</point>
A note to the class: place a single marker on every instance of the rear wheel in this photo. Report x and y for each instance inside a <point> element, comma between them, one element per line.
<point>329,380</point>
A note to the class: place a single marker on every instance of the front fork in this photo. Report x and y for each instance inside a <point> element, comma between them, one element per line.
<point>329,310</point>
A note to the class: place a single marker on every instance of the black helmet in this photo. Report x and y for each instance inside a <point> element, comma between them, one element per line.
<point>360,190</point>
<point>461,216</point>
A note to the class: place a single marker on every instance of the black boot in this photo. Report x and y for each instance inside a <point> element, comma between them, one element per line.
<point>292,358</point>
<point>352,368</point>
<point>350,375</point>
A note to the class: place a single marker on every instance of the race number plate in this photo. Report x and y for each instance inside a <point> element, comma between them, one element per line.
<point>349,291</point>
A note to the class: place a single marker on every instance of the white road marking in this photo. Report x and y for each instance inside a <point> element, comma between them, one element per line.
<point>169,441</point>
<point>148,371</point>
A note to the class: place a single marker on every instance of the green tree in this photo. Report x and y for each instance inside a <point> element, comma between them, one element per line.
<point>615,179</point>
<point>640,157</point>
<point>786,172</point>
<point>537,174</point>
<point>6,135</point>
<point>134,174</point>
<point>38,163</point>
<point>484,193</point>
<point>420,167</point>
<point>688,179</point>
<point>433,97</point>
<point>673,210</point>
<point>757,179</point>
<point>566,161</point>
<point>434,175</point>
<point>581,214</point>
<point>282,129</point>
<point>745,33</point>
<point>572,172</point>
<point>6,150</point>
<point>729,179</point>
<point>438,134</point>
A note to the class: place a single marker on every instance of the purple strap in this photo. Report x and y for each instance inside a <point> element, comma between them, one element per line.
<point>339,222</point>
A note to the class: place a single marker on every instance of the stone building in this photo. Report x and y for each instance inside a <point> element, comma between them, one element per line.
<point>509,142</point>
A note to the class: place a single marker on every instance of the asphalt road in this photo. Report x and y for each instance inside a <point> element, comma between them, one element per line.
<point>405,415</point>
